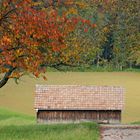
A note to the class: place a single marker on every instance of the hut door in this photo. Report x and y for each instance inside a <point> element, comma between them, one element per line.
<point>103,116</point>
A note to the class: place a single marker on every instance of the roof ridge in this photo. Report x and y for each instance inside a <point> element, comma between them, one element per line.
<point>40,85</point>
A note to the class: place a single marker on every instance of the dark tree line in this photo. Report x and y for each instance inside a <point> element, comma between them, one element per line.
<point>115,42</point>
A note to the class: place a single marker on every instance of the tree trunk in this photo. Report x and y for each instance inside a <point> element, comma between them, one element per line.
<point>97,63</point>
<point>6,77</point>
<point>130,65</point>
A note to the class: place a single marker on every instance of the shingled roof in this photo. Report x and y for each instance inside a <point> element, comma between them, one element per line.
<point>75,97</point>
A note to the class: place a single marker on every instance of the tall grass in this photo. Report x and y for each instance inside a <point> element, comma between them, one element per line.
<point>14,126</point>
<point>85,131</point>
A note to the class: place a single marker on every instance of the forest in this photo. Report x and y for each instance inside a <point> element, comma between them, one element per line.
<point>62,34</point>
<point>115,42</point>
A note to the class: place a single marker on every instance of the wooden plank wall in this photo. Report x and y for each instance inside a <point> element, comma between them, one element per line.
<point>107,116</point>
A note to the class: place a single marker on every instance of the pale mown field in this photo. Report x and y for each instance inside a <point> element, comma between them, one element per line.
<point>20,98</point>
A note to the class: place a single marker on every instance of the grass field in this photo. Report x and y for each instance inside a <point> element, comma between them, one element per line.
<point>14,126</point>
<point>20,98</point>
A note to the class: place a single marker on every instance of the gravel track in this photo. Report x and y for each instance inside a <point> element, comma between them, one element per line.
<point>120,132</point>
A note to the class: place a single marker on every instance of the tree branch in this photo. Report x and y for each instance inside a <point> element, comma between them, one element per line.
<point>6,77</point>
<point>10,49</point>
<point>58,66</point>
<point>6,14</point>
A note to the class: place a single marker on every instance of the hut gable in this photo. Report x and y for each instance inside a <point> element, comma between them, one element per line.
<point>75,102</point>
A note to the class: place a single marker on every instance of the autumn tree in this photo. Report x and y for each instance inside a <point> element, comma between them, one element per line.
<point>32,36</point>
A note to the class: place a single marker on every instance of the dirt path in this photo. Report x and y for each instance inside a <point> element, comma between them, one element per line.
<point>120,132</point>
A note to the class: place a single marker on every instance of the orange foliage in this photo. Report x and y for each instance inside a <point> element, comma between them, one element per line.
<point>25,31</point>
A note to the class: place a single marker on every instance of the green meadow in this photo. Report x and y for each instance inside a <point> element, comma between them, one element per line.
<point>20,98</point>
<point>16,126</point>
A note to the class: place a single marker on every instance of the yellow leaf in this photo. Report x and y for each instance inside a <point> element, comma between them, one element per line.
<point>81,4</point>
<point>72,11</point>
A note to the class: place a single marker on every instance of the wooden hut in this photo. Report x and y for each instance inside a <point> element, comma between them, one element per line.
<point>74,103</point>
